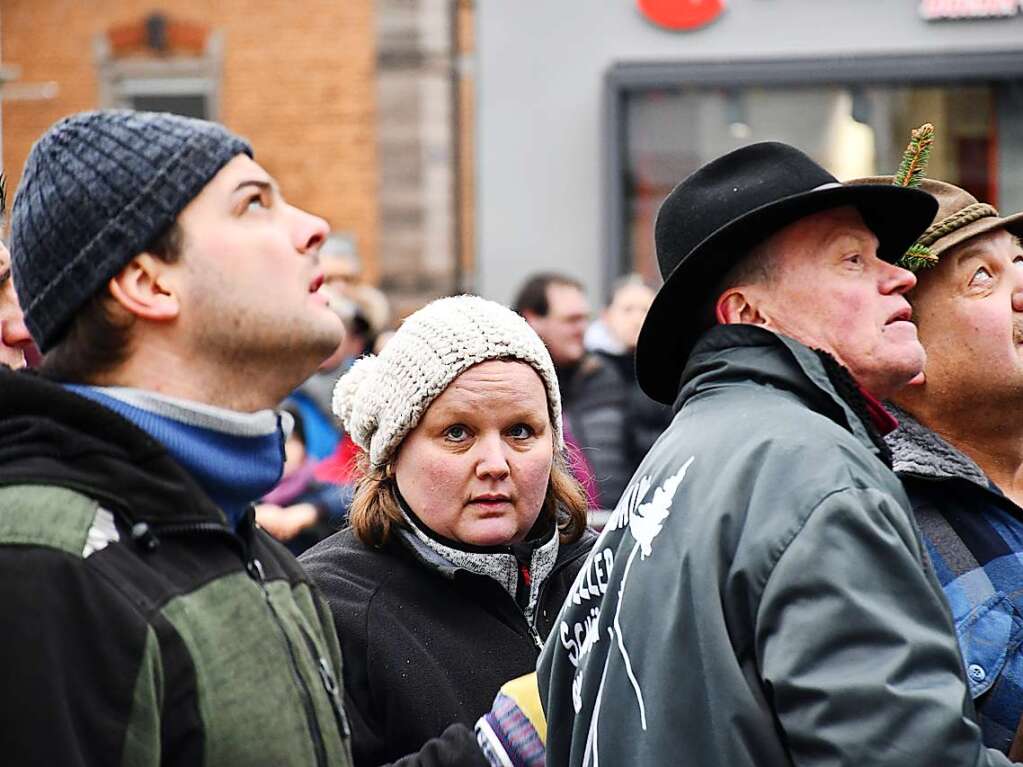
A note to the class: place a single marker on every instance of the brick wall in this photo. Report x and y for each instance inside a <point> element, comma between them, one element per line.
<point>298,81</point>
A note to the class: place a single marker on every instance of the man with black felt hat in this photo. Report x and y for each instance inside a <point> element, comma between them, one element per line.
<point>761,595</point>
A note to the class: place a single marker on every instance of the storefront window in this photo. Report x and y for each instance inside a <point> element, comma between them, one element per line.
<point>853,130</point>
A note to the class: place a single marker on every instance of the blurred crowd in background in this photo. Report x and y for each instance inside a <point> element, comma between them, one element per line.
<point>609,423</point>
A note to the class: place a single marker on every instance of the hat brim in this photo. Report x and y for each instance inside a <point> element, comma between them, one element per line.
<point>1013,224</point>
<point>898,216</point>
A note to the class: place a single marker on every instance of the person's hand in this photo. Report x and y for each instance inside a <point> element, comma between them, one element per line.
<point>287,522</point>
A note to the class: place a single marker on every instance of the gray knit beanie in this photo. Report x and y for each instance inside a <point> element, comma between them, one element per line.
<point>381,399</point>
<point>98,188</point>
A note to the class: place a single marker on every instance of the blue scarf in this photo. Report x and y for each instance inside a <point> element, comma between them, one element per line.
<point>235,457</point>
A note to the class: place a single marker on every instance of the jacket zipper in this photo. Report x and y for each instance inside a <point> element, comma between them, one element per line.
<point>145,535</point>
<point>255,570</point>
<point>536,636</point>
<point>543,590</point>
<point>330,685</point>
<point>530,628</point>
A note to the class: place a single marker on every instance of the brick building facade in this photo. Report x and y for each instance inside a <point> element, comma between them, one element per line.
<point>362,109</point>
<point>297,79</point>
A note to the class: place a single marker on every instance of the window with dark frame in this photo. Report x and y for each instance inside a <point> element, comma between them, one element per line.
<point>853,116</point>
<point>162,65</point>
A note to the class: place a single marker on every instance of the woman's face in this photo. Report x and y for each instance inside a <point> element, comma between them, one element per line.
<point>476,468</point>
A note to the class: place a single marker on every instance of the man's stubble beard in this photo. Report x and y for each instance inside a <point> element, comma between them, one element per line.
<point>254,346</point>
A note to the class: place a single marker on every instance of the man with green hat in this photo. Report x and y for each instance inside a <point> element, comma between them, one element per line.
<point>959,445</point>
<point>761,595</point>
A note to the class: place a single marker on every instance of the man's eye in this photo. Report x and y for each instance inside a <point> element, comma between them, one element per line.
<point>981,277</point>
<point>854,258</point>
<point>257,201</point>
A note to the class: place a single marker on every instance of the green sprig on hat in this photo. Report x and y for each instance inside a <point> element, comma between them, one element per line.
<point>911,173</point>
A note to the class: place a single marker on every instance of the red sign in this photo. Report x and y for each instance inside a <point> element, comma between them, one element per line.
<point>681,14</point>
<point>968,9</point>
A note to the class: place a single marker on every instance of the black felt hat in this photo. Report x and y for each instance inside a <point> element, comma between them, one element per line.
<point>712,219</point>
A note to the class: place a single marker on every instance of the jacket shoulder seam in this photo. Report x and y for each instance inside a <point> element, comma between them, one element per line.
<point>798,529</point>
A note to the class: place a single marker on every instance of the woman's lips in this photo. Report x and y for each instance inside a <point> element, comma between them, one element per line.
<point>490,501</point>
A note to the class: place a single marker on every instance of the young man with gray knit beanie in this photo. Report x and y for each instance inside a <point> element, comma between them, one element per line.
<point>147,620</point>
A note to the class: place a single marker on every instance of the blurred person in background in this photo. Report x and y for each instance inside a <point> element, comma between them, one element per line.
<point>339,467</point>
<point>365,311</point>
<point>593,394</point>
<point>466,529</point>
<point>613,338</point>
<point>959,445</point>
<point>342,268</point>
<point>301,510</point>
<point>381,341</point>
<point>616,331</point>
<point>14,335</point>
<point>174,293</point>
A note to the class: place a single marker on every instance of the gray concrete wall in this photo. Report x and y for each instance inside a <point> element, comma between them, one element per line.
<point>540,76</point>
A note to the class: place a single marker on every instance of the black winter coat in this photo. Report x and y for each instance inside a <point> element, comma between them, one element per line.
<point>137,627</point>
<point>426,646</point>
<point>594,401</point>
<point>645,420</point>
<point>761,596</point>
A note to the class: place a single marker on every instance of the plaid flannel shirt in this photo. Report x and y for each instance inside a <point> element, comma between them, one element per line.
<point>974,535</point>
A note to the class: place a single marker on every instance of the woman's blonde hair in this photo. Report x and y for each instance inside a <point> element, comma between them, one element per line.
<point>375,512</point>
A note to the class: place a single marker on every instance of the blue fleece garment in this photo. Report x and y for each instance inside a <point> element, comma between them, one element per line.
<point>235,457</point>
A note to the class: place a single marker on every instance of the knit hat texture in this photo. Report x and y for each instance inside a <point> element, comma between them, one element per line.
<point>382,398</point>
<point>97,189</point>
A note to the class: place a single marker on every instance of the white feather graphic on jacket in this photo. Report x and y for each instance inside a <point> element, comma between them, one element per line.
<point>645,520</point>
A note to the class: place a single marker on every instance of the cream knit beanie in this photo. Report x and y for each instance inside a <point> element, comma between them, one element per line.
<point>382,398</point>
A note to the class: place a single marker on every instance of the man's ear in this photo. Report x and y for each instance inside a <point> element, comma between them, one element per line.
<point>738,306</point>
<point>143,290</point>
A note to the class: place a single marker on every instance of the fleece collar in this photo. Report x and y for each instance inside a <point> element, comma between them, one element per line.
<point>743,355</point>
<point>919,451</point>
<point>501,564</point>
<point>235,457</point>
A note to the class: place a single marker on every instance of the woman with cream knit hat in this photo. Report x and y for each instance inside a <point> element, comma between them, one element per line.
<point>466,529</point>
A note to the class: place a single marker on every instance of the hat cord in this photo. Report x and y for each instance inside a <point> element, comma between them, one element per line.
<point>967,215</point>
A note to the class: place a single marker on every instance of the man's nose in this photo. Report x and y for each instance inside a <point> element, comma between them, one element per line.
<point>14,332</point>
<point>310,231</point>
<point>1017,294</point>
<point>897,280</point>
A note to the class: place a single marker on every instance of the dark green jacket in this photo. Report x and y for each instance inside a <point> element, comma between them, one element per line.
<point>137,628</point>
<point>761,595</point>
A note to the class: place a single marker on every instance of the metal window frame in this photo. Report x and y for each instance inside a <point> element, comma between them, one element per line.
<point>623,78</point>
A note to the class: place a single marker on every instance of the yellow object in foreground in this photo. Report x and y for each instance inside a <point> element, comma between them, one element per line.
<point>526,694</point>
